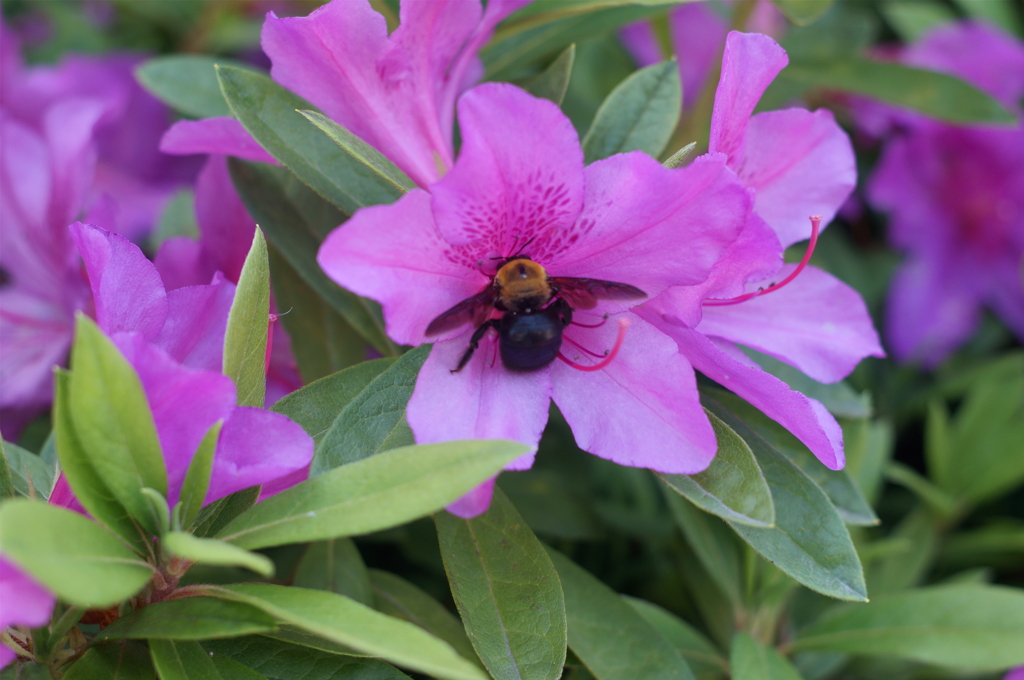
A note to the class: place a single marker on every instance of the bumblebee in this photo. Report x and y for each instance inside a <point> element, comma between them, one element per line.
<point>536,309</point>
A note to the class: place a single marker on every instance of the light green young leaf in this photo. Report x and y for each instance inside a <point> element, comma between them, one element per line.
<point>218,553</point>
<point>190,618</point>
<point>704,658</point>
<point>245,341</point>
<point>640,114</point>
<point>803,12</point>
<point>69,554</point>
<point>752,660</point>
<point>337,566</point>
<point>552,82</point>
<point>347,622</point>
<point>733,486</point>
<point>383,491</point>
<point>285,661</point>
<point>182,660</point>
<point>187,83</point>
<point>29,473</point>
<point>197,478</point>
<point>677,159</point>
<point>495,564</point>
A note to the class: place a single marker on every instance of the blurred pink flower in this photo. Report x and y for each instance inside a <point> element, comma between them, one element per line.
<point>23,602</point>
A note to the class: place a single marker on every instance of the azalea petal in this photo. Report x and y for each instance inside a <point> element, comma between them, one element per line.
<point>697,34</point>
<point>641,42</point>
<point>259,447</point>
<point>475,502</point>
<point>514,180</point>
<point>801,164</point>
<point>649,226</point>
<point>197,320</point>
<point>180,263</point>
<point>482,401</point>
<point>416,277</point>
<point>69,126</point>
<point>643,409</point>
<point>224,222</point>
<point>62,496</point>
<point>749,64</point>
<point>224,136</point>
<point>806,418</point>
<point>26,601</point>
<point>1006,294</point>
<point>816,323</point>
<point>126,288</point>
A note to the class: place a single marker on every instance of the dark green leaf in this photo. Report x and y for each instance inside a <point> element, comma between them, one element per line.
<point>608,635</point>
<point>803,12</point>
<point>187,82</point>
<point>733,486</point>
<point>970,627</point>
<point>640,114</point>
<point>717,548</point>
<point>182,660</point>
<point>868,445</point>
<point>938,500</point>
<point>296,220</point>
<point>284,661</point>
<point>71,555</point>
<point>752,660</point>
<point>216,515</point>
<point>113,422</point>
<point>999,544</point>
<point>1002,13</point>
<point>385,490</point>
<point>553,81</point>
<point>913,545</point>
<point>347,622</point>
<point>397,597</point>
<point>245,341</point>
<point>30,475</point>
<point>374,420</point>
<point>911,20</point>
<point>703,657</point>
<point>298,636</point>
<point>197,478</point>
<point>230,669</point>
<point>546,501</point>
<point>809,541</point>
<point>218,553</point>
<point>271,115</point>
<point>337,566</point>
<point>7,489</point>
<point>113,661</point>
<point>191,618</point>
<point>507,591</point>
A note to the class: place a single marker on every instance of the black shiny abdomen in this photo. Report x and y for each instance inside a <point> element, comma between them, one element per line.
<point>532,340</point>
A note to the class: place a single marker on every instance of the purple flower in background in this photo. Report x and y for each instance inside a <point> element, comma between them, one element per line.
<point>1015,674</point>
<point>519,187</point>
<point>955,198</point>
<point>397,92</point>
<point>23,602</point>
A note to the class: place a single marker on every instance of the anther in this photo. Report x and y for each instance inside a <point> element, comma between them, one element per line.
<point>610,355</point>
<point>587,325</point>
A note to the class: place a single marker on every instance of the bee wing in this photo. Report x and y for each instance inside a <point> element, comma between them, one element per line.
<point>584,293</point>
<point>475,309</point>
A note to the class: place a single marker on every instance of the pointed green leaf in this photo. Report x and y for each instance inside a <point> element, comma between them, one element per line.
<point>640,114</point>
<point>803,12</point>
<point>507,591</point>
<point>113,421</point>
<point>704,659</point>
<point>218,553</point>
<point>716,546</point>
<point>337,566</point>
<point>187,83</point>
<point>553,81</point>
<point>733,486</point>
<point>285,661</point>
<point>347,622</point>
<point>752,660</point>
<point>182,660</point>
<point>113,661</point>
<point>608,635</point>
<point>190,618</point>
<point>245,341</point>
<point>971,627</point>
<point>271,115</point>
<point>197,478</point>
<point>678,159</point>
<point>383,491</point>
<point>374,420</point>
<point>29,473</point>
<point>218,514</point>
<point>71,555</point>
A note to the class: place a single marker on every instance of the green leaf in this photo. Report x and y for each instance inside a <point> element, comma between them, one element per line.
<point>218,553</point>
<point>373,494</point>
<point>999,544</point>
<point>803,12</point>
<point>809,541</point>
<point>337,566</point>
<point>69,554</point>
<point>316,406</point>
<point>113,422</point>
<point>190,618</point>
<point>113,661</point>
<point>678,159</point>
<point>717,548</point>
<point>29,473</point>
<point>374,420</point>
<point>271,115</point>
<point>347,622</point>
<point>245,341</point>
<point>552,82</point>
<point>733,486</point>
<point>1002,13</point>
<point>546,501</point>
<point>507,591</point>
<point>640,114</point>
<point>87,483</point>
<point>752,660</point>
<point>284,661</point>
<point>321,340</point>
<point>397,597</point>
<point>182,660</point>
<point>215,516</point>
<point>868,446</point>
<point>970,627</point>
<point>187,83</point>
<point>230,669</point>
<point>916,539</point>
<point>938,500</point>
<point>296,220</point>
<point>383,170</point>
<point>911,20</point>
<point>608,635</point>
<point>703,657</point>
<point>933,94</point>
<point>7,489</point>
<point>197,478</point>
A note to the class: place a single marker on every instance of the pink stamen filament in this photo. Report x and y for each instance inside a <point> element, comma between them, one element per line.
<point>583,349</point>
<point>587,325</point>
<point>623,325</point>
<point>815,224</point>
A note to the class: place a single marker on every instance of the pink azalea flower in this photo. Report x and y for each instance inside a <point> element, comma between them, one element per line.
<point>23,602</point>
<point>1015,674</point>
<point>955,198</point>
<point>397,92</point>
<point>519,185</point>
<point>796,163</point>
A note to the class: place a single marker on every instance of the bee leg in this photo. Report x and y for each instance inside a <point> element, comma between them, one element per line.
<point>565,310</point>
<point>474,342</point>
